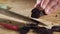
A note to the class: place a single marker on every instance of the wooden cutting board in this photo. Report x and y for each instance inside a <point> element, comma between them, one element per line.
<point>52,19</point>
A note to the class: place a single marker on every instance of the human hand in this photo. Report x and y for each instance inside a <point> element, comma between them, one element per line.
<point>50,6</point>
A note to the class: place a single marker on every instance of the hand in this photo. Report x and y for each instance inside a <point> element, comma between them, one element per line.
<point>50,6</point>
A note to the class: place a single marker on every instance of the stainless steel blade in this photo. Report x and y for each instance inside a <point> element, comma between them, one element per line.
<point>21,17</point>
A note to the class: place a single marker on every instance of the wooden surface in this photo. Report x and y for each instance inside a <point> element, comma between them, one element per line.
<point>20,6</point>
<point>24,7</point>
<point>52,19</point>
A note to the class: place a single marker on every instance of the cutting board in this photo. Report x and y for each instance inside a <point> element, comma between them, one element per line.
<point>51,19</point>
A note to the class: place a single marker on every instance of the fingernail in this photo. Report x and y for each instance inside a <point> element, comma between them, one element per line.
<point>48,12</point>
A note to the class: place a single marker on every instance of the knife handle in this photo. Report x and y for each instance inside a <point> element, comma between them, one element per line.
<point>9,26</point>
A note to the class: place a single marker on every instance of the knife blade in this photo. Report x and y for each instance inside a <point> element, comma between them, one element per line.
<point>21,17</point>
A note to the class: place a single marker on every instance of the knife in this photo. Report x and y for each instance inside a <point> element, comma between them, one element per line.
<point>21,17</point>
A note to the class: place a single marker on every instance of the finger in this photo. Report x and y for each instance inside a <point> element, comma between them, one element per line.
<point>44,3</point>
<point>55,7</point>
<point>49,6</point>
<point>52,3</point>
<point>38,3</point>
